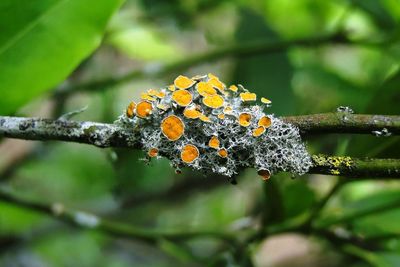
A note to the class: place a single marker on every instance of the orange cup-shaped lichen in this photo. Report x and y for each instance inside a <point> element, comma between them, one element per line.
<point>223,153</point>
<point>258,131</point>
<point>247,96</point>
<point>191,113</point>
<point>265,121</point>
<point>182,97</point>
<point>205,89</point>
<point>265,100</point>
<point>244,119</point>
<point>172,127</point>
<point>183,82</point>
<point>143,109</point>
<point>264,173</point>
<point>214,142</point>
<point>233,88</point>
<point>214,81</point>
<point>153,152</point>
<point>130,110</point>
<point>204,118</point>
<point>213,101</point>
<point>189,153</point>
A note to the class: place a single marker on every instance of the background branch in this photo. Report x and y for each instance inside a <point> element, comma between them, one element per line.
<point>235,50</point>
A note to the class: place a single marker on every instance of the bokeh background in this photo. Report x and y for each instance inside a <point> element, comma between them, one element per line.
<point>307,56</point>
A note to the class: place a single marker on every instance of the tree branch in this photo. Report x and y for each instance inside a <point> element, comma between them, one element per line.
<point>113,135</point>
<point>236,50</point>
<point>90,221</point>
<point>343,122</point>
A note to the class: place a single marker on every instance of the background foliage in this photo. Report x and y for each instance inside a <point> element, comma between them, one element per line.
<point>49,48</point>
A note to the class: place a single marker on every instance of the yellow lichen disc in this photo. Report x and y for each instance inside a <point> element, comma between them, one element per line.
<point>182,97</point>
<point>265,100</point>
<point>264,173</point>
<point>228,110</point>
<point>258,131</point>
<point>233,88</point>
<point>214,142</point>
<point>265,121</point>
<point>244,119</point>
<point>160,94</point>
<point>191,113</point>
<point>223,153</point>
<point>145,96</point>
<point>183,82</point>
<point>163,107</point>
<point>204,118</point>
<point>153,152</point>
<point>130,110</point>
<point>189,153</point>
<point>221,116</point>
<point>213,101</point>
<point>171,87</point>
<point>144,109</point>
<point>217,84</point>
<point>247,96</point>
<point>152,92</point>
<point>205,89</point>
<point>172,127</point>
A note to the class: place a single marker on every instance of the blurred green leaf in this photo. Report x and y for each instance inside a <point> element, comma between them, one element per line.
<point>267,75</point>
<point>371,206</point>
<point>377,11</point>
<point>43,41</point>
<point>298,198</point>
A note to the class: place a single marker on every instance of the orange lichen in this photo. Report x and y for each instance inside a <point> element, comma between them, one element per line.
<point>144,109</point>
<point>228,110</point>
<point>221,116</point>
<point>265,100</point>
<point>163,107</point>
<point>213,101</point>
<point>264,121</point>
<point>172,127</point>
<point>130,110</point>
<point>145,96</point>
<point>183,82</point>
<point>233,88</point>
<point>182,97</point>
<point>223,153</point>
<point>247,96</point>
<point>160,94</point>
<point>171,87</point>
<point>217,84</point>
<point>153,152</point>
<point>191,113</point>
<point>258,131</point>
<point>214,142</point>
<point>204,118</point>
<point>189,153</point>
<point>264,173</point>
<point>205,89</point>
<point>198,77</point>
<point>152,92</point>
<point>244,119</point>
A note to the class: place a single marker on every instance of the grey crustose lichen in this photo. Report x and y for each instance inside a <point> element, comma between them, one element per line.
<point>200,123</point>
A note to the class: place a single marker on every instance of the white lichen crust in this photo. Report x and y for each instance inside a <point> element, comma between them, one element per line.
<point>277,146</point>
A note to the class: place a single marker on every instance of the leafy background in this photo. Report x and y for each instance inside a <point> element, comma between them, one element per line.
<point>51,50</point>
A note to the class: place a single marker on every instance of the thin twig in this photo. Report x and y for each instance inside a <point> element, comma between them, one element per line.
<point>91,221</point>
<point>343,122</point>
<point>235,50</point>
